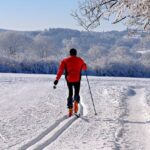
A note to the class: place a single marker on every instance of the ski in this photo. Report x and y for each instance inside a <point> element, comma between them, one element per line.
<point>77,115</point>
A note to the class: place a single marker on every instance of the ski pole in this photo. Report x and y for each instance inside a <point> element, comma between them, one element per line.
<point>91,93</point>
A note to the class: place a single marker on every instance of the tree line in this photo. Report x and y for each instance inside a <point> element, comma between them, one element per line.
<point>110,53</point>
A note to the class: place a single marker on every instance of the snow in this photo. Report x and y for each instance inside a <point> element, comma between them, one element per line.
<point>33,114</point>
<point>144,52</point>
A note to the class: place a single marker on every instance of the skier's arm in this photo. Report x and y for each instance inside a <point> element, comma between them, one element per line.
<point>60,70</point>
<point>84,66</point>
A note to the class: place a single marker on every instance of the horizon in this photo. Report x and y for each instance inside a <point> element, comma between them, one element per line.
<point>51,28</point>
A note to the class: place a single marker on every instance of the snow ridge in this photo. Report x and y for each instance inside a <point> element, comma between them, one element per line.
<point>83,110</point>
<point>133,121</point>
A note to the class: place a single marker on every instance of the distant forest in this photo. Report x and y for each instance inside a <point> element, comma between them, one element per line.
<point>111,53</point>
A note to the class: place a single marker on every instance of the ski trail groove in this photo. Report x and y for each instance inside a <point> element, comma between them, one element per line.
<point>44,133</point>
<point>52,133</point>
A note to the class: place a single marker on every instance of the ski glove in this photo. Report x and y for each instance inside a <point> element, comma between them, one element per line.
<point>55,82</point>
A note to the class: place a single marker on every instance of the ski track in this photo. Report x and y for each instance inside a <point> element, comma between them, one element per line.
<point>52,133</point>
<point>137,121</point>
<point>44,133</point>
<point>134,123</point>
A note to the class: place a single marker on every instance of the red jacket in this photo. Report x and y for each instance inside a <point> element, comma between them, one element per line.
<point>73,66</point>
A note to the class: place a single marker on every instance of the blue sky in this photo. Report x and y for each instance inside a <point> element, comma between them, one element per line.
<point>42,14</point>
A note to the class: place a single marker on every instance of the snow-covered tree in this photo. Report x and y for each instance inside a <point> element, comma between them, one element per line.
<point>43,45</point>
<point>13,43</point>
<point>134,13</point>
<point>96,52</point>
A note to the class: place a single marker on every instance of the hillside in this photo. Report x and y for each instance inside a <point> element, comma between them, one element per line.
<point>106,53</point>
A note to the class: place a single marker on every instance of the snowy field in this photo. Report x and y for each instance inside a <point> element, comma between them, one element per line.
<point>33,115</point>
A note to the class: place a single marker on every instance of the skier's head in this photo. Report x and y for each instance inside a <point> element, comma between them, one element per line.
<point>73,52</point>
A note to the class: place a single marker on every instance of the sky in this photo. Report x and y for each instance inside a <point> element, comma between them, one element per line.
<point>31,15</point>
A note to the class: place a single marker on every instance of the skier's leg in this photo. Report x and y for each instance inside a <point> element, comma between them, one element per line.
<point>70,99</point>
<point>76,96</point>
<point>77,91</point>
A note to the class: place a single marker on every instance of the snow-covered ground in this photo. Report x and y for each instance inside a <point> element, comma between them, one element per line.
<point>33,115</point>
<point>144,52</point>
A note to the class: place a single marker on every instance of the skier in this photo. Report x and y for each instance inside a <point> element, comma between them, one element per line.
<point>72,66</point>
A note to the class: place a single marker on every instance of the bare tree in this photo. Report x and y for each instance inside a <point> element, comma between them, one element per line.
<point>134,13</point>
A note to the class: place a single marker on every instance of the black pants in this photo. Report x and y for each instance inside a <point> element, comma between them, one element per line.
<point>76,87</point>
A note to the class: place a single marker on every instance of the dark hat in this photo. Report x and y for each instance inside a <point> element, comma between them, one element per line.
<point>73,52</point>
